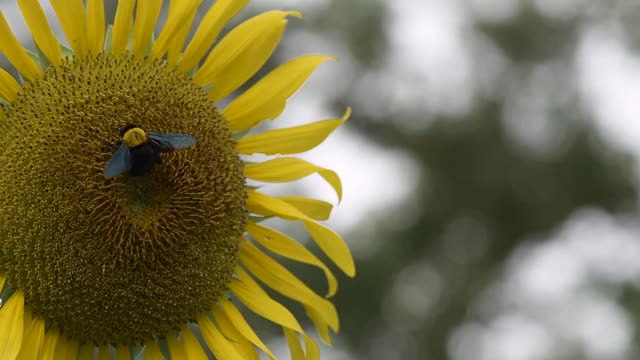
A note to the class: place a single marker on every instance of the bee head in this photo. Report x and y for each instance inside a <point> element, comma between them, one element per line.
<point>132,135</point>
<point>126,128</point>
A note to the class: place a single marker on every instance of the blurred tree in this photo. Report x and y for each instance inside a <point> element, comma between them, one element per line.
<point>473,168</point>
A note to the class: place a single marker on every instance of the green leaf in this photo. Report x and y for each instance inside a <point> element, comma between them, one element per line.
<point>137,351</point>
<point>129,46</point>
<point>6,293</point>
<point>164,348</point>
<point>67,52</point>
<point>44,61</point>
<point>108,42</point>
<point>7,105</point>
<point>153,41</point>
<point>240,134</point>
<point>258,219</point>
<point>207,88</point>
<point>192,72</point>
<point>35,57</point>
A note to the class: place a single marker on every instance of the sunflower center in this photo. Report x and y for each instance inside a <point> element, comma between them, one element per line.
<point>126,259</point>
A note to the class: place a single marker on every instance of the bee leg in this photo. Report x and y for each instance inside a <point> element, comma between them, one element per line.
<point>110,144</point>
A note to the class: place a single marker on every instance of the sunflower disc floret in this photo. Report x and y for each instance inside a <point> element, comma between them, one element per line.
<point>144,255</point>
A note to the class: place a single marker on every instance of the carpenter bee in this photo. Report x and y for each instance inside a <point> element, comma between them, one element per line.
<point>139,151</point>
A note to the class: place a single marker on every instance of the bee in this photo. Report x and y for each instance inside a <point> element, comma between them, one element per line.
<point>139,151</point>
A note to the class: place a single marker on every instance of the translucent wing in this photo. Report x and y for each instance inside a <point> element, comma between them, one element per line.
<point>119,163</point>
<point>170,142</point>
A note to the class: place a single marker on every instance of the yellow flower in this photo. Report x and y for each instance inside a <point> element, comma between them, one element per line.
<point>151,263</point>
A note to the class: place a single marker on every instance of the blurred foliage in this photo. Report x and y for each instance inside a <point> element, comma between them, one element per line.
<point>371,40</point>
<point>473,170</point>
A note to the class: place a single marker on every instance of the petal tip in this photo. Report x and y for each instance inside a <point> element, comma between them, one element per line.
<point>294,13</point>
<point>350,270</point>
<point>347,114</point>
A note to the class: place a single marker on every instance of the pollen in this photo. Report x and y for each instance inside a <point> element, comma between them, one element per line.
<point>129,259</point>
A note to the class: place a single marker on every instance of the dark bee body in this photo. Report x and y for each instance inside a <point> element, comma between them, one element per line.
<point>143,159</point>
<point>139,152</point>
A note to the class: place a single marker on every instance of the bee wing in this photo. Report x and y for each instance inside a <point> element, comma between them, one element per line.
<point>119,163</point>
<point>170,142</point>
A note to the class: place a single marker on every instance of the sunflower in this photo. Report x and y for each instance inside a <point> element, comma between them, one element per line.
<point>163,264</point>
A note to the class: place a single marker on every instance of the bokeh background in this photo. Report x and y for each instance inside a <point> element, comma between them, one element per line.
<point>490,173</point>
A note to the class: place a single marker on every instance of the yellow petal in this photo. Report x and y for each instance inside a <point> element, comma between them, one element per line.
<point>12,326</point>
<point>283,245</point>
<point>333,246</point>
<point>276,276</point>
<point>291,140</point>
<point>294,344</point>
<point>122,26</point>
<point>123,353</point>
<point>175,21</point>
<point>192,347</point>
<point>313,208</point>
<point>286,169</point>
<point>104,353</point>
<point>16,54</point>
<point>239,322</point>
<point>49,345</point>
<point>218,344</point>
<point>242,52</point>
<point>40,29</point>
<point>268,97</point>
<point>321,326</point>
<point>311,349</point>
<point>95,25</point>
<point>87,352</point>
<point>146,17</point>
<point>177,41</point>
<point>312,352</point>
<point>74,23</point>
<point>33,337</point>
<point>2,281</point>
<point>66,349</point>
<point>208,30</point>
<point>330,242</point>
<point>251,294</point>
<point>152,351</point>
<point>176,348</point>
<point>237,340</point>
<point>9,87</point>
